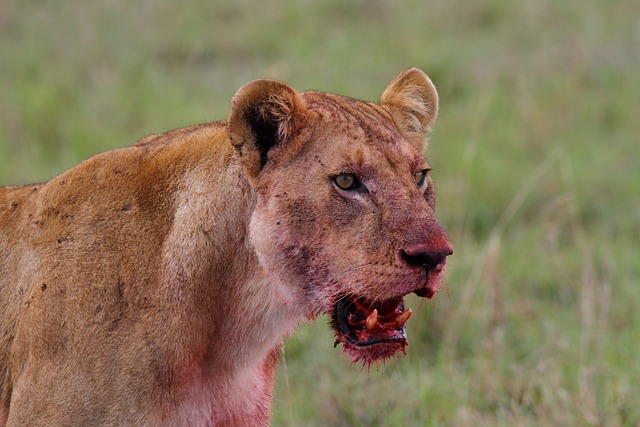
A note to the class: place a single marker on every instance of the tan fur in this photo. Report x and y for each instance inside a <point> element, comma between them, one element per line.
<point>153,285</point>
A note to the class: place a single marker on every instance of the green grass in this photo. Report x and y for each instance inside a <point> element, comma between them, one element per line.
<point>535,159</point>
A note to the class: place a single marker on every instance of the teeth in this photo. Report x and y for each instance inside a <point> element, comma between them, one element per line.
<point>372,319</point>
<point>402,318</point>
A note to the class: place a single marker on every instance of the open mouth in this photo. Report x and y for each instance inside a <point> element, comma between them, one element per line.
<point>374,330</point>
<point>370,331</point>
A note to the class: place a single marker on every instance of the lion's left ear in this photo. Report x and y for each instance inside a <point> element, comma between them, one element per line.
<point>412,100</point>
<point>264,115</point>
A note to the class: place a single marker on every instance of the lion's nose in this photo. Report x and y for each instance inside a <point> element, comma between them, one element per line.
<point>426,260</point>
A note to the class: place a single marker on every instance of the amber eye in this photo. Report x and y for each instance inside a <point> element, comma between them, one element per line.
<point>419,177</point>
<point>346,181</point>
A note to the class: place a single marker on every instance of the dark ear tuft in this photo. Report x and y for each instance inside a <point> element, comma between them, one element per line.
<point>264,114</point>
<point>412,100</point>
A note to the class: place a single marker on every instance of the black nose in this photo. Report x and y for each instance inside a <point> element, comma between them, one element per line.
<point>426,260</point>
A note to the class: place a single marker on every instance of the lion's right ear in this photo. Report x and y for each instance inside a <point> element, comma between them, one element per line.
<point>264,115</point>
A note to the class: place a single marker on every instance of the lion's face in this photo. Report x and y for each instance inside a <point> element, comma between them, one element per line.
<point>344,215</point>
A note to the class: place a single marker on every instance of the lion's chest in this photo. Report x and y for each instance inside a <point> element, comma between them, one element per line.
<point>238,398</point>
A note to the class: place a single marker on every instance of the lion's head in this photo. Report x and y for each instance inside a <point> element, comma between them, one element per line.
<point>344,214</point>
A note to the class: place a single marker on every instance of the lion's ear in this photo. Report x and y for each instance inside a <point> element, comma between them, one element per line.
<point>264,114</point>
<point>412,100</point>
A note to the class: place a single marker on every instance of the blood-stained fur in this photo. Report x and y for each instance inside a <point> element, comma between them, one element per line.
<point>154,284</point>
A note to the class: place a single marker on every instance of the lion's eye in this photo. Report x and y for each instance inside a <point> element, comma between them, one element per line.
<point>346,181</point>
<point>419,177</point>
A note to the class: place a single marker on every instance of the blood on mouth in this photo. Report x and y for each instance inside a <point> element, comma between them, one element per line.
<point>370,331</point>
<point>363,323</point>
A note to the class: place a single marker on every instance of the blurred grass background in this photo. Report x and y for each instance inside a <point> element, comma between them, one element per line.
<point>535,157</point>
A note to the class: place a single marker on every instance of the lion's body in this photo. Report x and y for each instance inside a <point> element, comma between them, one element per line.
<point>144,286</point>
<point>117,269</point>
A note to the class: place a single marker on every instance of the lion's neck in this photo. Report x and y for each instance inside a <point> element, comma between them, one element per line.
<point>233,312</point>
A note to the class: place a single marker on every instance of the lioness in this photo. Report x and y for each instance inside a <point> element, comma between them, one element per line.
<point>154,284</point>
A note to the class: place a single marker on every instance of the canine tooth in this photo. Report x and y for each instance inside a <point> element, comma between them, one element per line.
<point>372,319</point>
<point>402,318</point>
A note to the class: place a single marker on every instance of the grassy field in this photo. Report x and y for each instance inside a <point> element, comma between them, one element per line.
<point>535,158</point>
